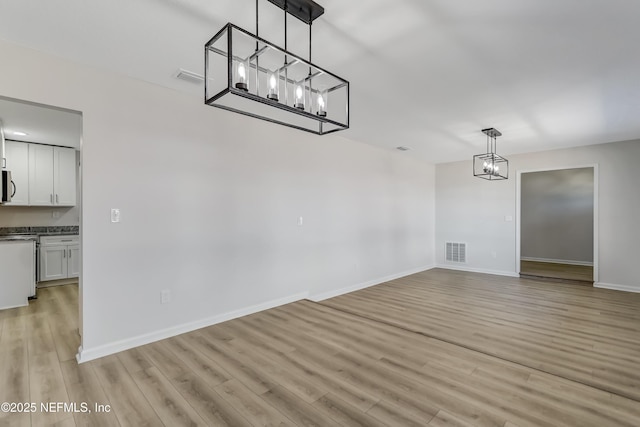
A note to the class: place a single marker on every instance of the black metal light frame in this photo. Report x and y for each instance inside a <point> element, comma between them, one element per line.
<point>481,161</point>
<point>306,11</point>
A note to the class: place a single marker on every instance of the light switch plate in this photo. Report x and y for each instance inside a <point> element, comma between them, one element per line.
<point>165,296</point>
<point>115,215</point>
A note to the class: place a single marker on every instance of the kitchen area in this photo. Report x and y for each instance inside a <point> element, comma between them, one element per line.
<point>40,200</point>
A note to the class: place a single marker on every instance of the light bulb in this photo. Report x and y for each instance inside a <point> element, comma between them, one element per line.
<point>299,103</point>
<point>241,76</point>
<point>322,111</point>
<point>321,103</point>
<point>274,86</point>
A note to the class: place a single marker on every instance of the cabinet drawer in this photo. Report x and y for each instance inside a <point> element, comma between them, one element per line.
<point>59,240</point>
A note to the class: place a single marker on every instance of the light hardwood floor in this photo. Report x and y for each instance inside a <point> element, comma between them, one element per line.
<point>582,273</point>
<point>439,348</point>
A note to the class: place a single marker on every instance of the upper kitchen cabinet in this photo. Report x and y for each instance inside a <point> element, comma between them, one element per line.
<point>52,176</point>
<point>17,155</point>
<point>43,175</point>
<point>64,176</point>
<point>40,175</point>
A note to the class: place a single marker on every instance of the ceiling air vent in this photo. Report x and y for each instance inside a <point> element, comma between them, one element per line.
<point>456,252</point>
<point>189,76</point>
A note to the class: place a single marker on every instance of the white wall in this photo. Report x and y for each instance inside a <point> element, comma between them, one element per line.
<point>210,202</point>
<point>473,210</point>
<point>556,217</point>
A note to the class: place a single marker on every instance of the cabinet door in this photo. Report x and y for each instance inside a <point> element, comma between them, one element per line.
<point>18,163</point>
<point>40,175</point>
<point>53,262</point>
<point>73,261</point>
<point>64,176</point>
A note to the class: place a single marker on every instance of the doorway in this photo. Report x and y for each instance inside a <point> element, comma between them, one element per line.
<point>42,149</point>
<point>557,224</point>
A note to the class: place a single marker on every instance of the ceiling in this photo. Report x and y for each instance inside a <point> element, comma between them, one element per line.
<point>428,75</point>
<point>42,124</point>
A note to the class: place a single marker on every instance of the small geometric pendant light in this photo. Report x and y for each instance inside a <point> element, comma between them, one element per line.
<point>490,165</point>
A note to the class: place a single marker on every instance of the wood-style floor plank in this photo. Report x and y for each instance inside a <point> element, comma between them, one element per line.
<point>438,348</point>
<point>557,270</point>
<point>584,334</point>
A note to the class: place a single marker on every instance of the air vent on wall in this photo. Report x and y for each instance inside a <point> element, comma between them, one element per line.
<point>189,76</point>
<point>456,252</point>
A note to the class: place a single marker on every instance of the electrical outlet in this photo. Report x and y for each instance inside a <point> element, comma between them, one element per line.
<point>300,220</point>
<point>115,215</point>
<point>55,214</point>
<point>165,296</point>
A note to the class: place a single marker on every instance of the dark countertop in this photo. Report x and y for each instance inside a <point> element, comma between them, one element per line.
<point>40,231</point>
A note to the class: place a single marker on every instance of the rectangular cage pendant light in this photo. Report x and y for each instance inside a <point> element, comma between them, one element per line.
<point>249,75</point>
<point>490,165</point>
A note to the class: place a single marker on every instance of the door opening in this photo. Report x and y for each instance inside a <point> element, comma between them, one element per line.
<point>557,224</point>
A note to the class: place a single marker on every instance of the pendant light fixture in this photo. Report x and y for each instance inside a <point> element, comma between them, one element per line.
<point>252,76</point>
<point>490,165</point>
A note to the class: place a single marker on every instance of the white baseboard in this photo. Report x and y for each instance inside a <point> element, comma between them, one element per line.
<point>85,355</point>
<point>557,261</point>
<point>479,270</point>
<point>625,288</point>
<point>330,294</point>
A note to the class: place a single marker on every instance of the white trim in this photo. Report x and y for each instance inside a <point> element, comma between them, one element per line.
<point>625,288</point>
<point>596,197</point>
<point>479,270</point>
<point>330,294</point>
<point>557,261</point>
<point>85,355</point>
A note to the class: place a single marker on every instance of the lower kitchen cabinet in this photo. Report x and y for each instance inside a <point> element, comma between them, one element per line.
<point>59,257</point>
<point>73,262</point>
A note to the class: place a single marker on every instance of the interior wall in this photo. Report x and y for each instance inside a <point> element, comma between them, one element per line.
<point>210,205</point>
<point>557,215</point>
<point>477,211</point>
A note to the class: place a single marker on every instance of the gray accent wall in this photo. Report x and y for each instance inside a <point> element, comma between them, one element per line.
<point>557,215</point>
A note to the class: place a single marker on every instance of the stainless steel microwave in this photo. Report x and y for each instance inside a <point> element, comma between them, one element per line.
<point>8,188</point>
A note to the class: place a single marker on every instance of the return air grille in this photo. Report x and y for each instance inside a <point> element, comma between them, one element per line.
<point>456,252</point>
<point>189,76</point>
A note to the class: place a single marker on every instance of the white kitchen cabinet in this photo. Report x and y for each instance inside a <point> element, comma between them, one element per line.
<point>53,263</point>
<point>59,257</point>
<point>73,261</point>
<point>40,175</point>
<point>52,175</point>
<point>64,176</point>
<point>17,268</point>
<point>18,163</point>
